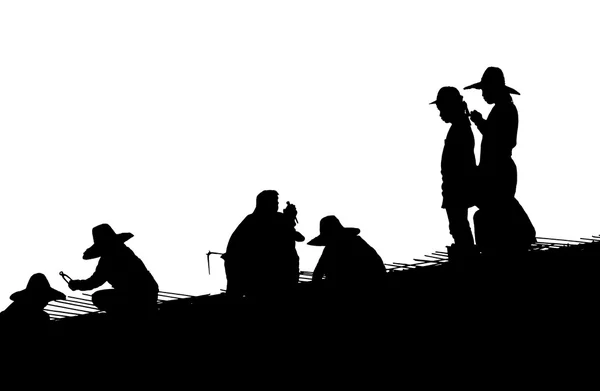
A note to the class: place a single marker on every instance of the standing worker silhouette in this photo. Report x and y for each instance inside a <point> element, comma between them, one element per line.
<point>458,170</point>
<point>135,292</point>
<point>501,215</point>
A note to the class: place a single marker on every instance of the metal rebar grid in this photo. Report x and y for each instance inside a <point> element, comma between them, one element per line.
<point>78,304</point>
<point>75,306</point>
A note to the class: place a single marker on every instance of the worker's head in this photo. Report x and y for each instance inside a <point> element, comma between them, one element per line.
<point>492,85</point>
<point>450,104</point>
<point>38,292</point>
<point>106,240</point>
<point>267,201</point>
<point>331,231</point>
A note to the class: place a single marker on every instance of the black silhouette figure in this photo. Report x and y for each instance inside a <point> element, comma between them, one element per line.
<point>134,293</point>
<point>348,266</point>
<point>25,316</point>
<point>458,170</point>
<point>261,257</point>
<point>500,214</point>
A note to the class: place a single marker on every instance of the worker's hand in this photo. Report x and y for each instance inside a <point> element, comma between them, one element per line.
<point>476,117</point>
<point>298,237</point>
<point>290,211</point>
<point>74,285</point>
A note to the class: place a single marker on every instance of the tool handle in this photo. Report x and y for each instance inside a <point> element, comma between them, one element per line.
<point>65,277</point>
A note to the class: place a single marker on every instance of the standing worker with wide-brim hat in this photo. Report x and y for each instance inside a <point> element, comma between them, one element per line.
<point>134,292</point>
<point>497,171</point>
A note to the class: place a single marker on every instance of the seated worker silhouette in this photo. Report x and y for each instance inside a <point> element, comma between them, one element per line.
<point>25,316</point>
<point>261,257</point>
<point>458,170</point>
<point>500,223</point>
<point>348,265</point>
<point>134,292</point>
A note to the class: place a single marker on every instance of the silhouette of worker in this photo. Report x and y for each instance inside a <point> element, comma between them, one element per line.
<point>135,292</point>
<point>458,170</point>
<point>500,214</point>
<point>348,265</point>
<point>261,255</point>
<point>497,170</point>
<point>25,316</point>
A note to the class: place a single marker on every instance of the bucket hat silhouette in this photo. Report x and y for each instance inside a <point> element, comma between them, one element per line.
<point>38,287</point>
<point>448,95</point>
<point>331,228</point>
<point>104,237</point>
<point>493,77</point>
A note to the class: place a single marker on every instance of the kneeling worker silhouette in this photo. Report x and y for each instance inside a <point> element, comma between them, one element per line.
<point>25,316</point>
<point>348,267</point>
<point>261,260</point>
<point>135,291</point>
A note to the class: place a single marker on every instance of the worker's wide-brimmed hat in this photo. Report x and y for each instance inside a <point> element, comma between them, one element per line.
<point>448,95</point>
<point>104,236</point>
<point>492,78</point>
<point>38,287</point>
<point>330,228</point>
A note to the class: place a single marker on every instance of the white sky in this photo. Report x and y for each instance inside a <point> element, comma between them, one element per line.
<point>165,119</point>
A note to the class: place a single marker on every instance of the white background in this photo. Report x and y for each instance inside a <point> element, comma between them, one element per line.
<point>166,119</point>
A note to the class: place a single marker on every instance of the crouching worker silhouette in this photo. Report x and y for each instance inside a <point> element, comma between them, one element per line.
<point>261,258</point>
<point>458,171</point>
<point>349,268</point>
<point>135,291</point>
<point>25,316</point>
